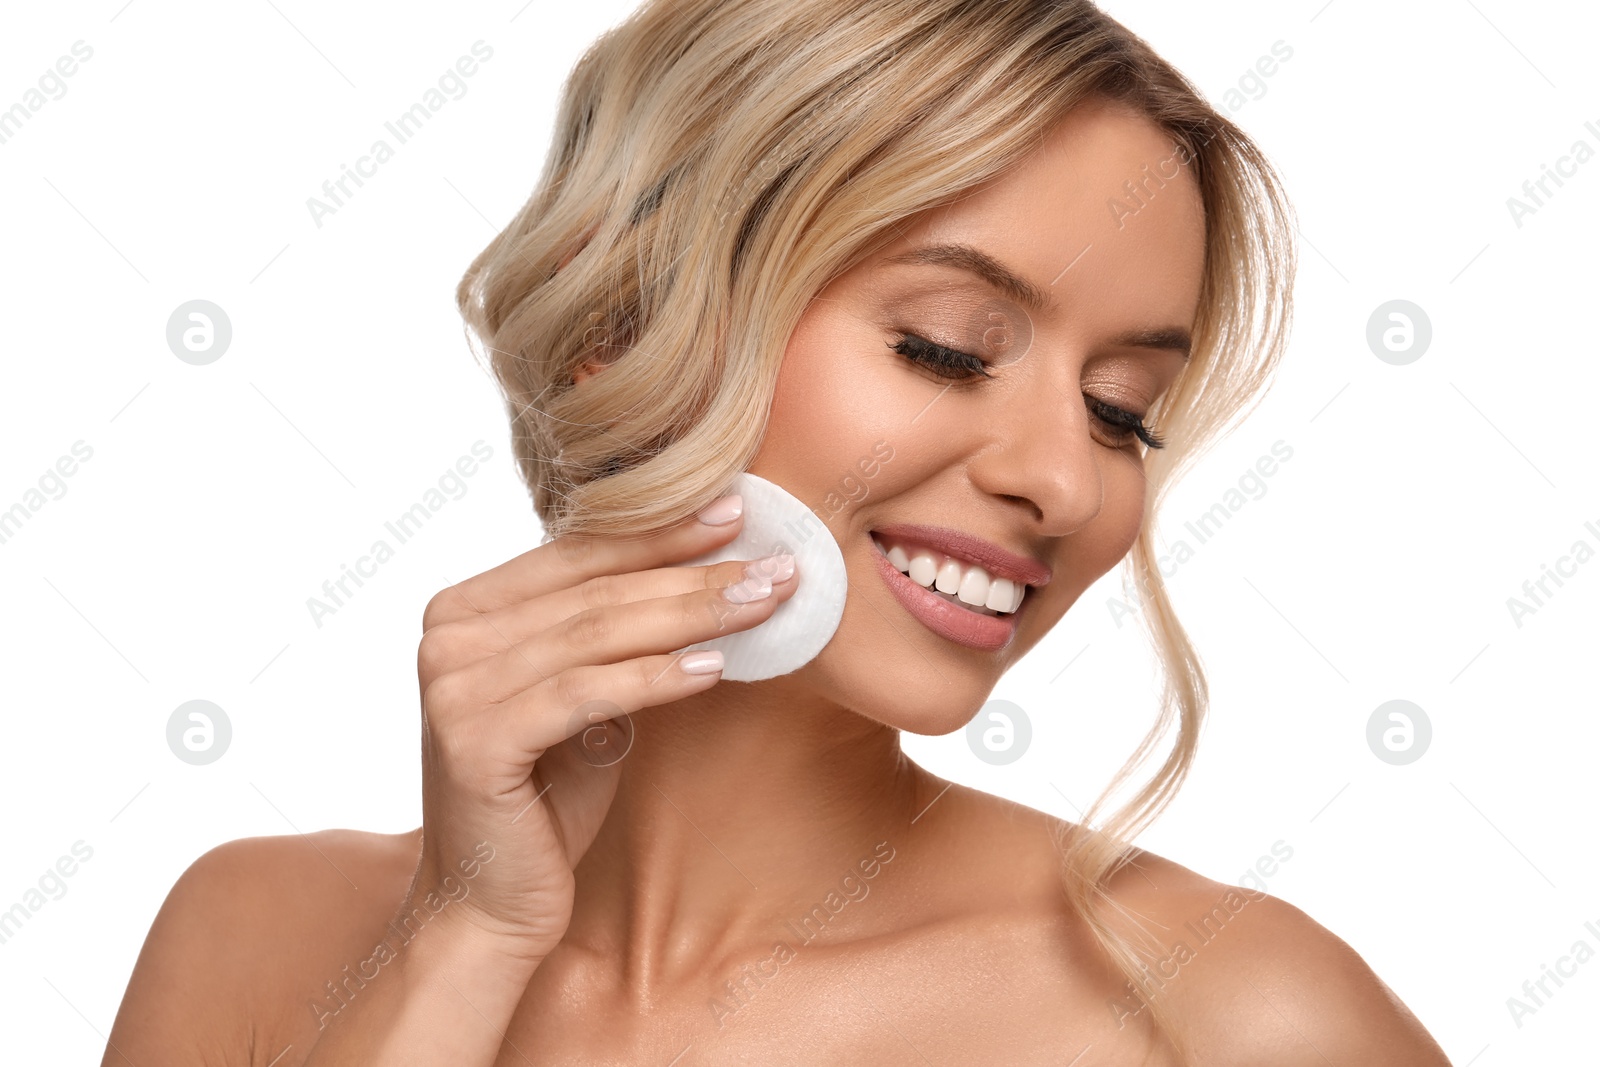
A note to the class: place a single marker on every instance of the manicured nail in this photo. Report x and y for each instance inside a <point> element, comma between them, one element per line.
<point>776,567</point>
<point>747,591</point>
<point>723,511</point>
<point>708,661</point>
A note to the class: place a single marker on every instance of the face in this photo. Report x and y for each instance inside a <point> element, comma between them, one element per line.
<point>1024,430</point>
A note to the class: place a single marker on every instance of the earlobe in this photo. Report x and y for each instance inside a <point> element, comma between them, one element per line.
<point>593,366</point>
<point>583,242</point>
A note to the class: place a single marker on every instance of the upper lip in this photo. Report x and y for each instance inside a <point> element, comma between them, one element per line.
<point>1000,562</point>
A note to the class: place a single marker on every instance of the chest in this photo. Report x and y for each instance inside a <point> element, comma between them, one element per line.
<point>1009,994</point>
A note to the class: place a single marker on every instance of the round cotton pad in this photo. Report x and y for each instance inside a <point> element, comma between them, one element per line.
<point>799,628</point>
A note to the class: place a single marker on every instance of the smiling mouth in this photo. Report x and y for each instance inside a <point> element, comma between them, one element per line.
<point>929,569</point>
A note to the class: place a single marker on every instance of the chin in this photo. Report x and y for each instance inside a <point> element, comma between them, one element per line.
<point>900,691</point>
<point>937,721</point>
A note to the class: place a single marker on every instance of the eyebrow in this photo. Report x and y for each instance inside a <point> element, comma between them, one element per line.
<point>999,276</point>
<point>1169,338</point>
<point>976,261</point>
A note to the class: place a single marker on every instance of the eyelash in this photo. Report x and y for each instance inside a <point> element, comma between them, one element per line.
<point>941,360</point>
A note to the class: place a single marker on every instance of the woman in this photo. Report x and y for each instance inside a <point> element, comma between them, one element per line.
<point>1001,266</point>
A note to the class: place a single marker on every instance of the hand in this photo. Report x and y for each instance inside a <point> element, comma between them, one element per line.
<point>523,670</point>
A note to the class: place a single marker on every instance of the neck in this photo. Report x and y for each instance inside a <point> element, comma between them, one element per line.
<point>735,812</point>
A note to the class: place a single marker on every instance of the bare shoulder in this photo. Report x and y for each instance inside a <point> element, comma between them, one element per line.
<point>237,953</point>
<point>1244,977</point>
<point>1251,979</point>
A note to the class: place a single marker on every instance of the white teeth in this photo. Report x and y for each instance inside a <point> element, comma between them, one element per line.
<point>975,587</point>
<point>1002,595</point>
<point>965,583</point>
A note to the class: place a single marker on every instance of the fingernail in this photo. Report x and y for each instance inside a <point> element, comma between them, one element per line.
<point>751,589</point>
<point>723,511</point>
<point>776,567</point>
<point>708,661</point>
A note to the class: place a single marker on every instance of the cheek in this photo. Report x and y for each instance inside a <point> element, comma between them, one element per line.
<point>806,400</point>
<point>833,403</point>
<point>1092,552</point>
<point>1123,514</point>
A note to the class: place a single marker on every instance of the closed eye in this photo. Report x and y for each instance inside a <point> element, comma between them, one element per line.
<point>945,362</point>
<point>1122,424</point>
<point>1125,424</point>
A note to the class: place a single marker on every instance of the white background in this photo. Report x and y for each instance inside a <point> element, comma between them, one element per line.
<point>1376,566</point>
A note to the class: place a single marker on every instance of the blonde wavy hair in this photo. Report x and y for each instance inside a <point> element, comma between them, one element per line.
<point>716,163</point>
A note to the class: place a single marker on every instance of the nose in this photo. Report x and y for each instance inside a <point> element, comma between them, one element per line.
<point>1041,454</point>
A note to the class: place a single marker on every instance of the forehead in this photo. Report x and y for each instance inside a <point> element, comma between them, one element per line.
<point>1104,219</point>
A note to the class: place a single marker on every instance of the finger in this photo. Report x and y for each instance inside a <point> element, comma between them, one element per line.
<point>611,635</point>
<point>576,700</point>
<point>567,561</point>
<point>479,636</point>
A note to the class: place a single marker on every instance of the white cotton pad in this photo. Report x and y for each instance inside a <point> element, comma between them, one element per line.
<point>799,628</point>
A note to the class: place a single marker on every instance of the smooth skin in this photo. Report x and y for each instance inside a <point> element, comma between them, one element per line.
<point>649,911</point>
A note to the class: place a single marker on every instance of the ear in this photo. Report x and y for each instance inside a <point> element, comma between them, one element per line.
<point>594,365</point>
<point>583,242</point>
